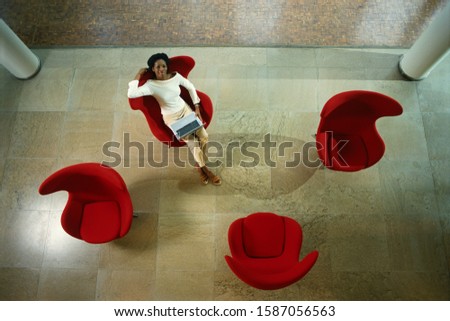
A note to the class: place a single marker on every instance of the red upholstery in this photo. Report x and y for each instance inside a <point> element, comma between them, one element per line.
<point>99,206</point>
<point>347,138</point>
<point>265,250</point>
<point>152,112</point>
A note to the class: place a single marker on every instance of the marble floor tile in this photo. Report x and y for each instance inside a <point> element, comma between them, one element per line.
<point>19,284</point>
<point>2,170</point>
<point>436,132</point>
<point>186,256</point>
<point>415,244</point>
<point>7,120</point>
<point>21,181</point>
<point>290,89</point>
<point>56,58</point>
<point>33,131</point>
<point>343,200</point>
<point>227,287</point>
<point>309,198</point>
<point>381,58</point>
<point>433,92</point>
<point>23,239</point>
<point>186,196</point>
<point>133,141</point>
<point>184,285</point>
<point>67,284</point>
<point>137,250</point>
<point>47,91</point>
<point>407,189</point>
<point>98,58</point>
<point>95,89</point>
<point>206,79</point>
<point>185,242</point>
<point>442,184</point>
<point>339,58</point>
<point>243,88</point>
<point>236,57</point>
<point>125,285</point>
<point>344,75</point>
<point>363,285</point>
<point>10,90</point>
<point>144,187</point>
<point>404,137</point>
<point>291,57</point>
<point>413,286</point>
<point>85,133</point>
<point>315,286</point>
<point>358,236</point>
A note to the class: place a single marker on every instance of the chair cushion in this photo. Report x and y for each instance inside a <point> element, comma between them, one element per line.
<point>263,235</point>
<point>341,152</point>
<point>348,153</point>
<point>101,222</point>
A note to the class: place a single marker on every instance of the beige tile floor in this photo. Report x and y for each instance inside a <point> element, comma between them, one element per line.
<point>382,233</point>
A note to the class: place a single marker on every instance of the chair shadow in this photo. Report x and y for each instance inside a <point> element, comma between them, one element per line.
<point>260,172</point>
<point>142,235</point>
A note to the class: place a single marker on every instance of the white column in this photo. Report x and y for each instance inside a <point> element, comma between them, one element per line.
<point>431,48</point>
<point>15,56</point>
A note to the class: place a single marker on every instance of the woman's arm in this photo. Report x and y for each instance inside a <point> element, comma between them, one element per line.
<point>190,88</point>
<point>134,90</point>
<point>140,73</point>
<point>193,93</point>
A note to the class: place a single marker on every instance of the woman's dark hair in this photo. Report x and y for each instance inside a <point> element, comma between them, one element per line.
<point>154,58</point>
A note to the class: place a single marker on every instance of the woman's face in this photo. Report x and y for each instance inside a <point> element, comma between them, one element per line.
<point>160,69</point>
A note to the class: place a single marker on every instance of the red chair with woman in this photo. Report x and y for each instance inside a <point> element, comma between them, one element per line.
<point>151,109</point>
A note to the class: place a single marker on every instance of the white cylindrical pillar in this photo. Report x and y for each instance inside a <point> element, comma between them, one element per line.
<point>15,56</point>
<point>429,49</point>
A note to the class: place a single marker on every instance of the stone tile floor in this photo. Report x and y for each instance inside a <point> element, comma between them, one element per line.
<point>382,233</point>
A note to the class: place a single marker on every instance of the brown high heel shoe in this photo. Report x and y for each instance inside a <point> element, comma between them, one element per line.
<point>203,176</point>
<point>214,178</point>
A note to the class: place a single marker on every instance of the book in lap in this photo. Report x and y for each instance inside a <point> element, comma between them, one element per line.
<point>186,126</point>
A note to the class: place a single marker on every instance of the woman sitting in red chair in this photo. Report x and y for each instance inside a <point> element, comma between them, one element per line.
<point>165,88</point>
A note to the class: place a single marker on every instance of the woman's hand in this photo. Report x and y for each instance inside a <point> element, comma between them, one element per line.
<point>140,73</point>
<point>197,112</point>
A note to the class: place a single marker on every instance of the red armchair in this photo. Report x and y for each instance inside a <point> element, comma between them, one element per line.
<point>265,250</point>
<point>347,138</point>
<point>152,112</point>
<point>99,207</point>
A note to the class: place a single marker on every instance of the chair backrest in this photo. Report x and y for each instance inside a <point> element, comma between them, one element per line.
<point>88,181</point>
<point>357,110</point>
<point>263,235</point>
<point>181,64</point>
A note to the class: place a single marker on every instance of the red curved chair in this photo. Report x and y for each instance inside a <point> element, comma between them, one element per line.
<point>265,250</point>
<point>150,107</point>
<point>347,138</point>
<point>98,208</point>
